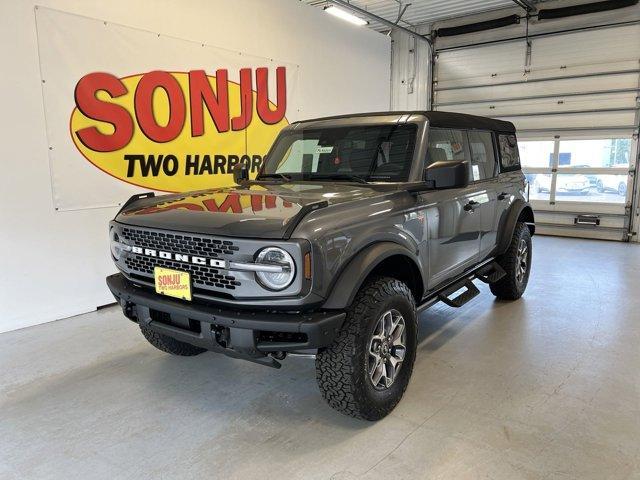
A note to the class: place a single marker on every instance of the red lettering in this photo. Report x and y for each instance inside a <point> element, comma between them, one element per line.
<point>89,105</point>
<point>188,206</point>
<point>270,201</point>
<point>243,120</point>
<point>232,202</point>
<point>200,92</point>
<point>144,106</point>
<point>256,203</point>
<point>265,113</point>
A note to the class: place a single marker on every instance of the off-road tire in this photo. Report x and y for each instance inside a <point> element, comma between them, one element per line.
<point>508,287</point>
<point>341,369</point>
<point>170,345</point>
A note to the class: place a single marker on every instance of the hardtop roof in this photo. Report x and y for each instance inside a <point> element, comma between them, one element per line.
<point>435,119</point>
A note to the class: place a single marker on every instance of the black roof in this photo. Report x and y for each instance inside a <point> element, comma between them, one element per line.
<point>439,119</point>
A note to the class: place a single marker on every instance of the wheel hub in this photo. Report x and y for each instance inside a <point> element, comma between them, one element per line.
<point>387,348</point>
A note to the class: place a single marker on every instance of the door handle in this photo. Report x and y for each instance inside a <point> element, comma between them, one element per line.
<point>470,207</point>
<point>503,196</point>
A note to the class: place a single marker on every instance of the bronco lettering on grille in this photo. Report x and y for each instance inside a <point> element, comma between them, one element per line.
<point>178,257</point>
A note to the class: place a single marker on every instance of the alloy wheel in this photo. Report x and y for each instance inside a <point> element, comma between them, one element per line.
<point>387,349</point>
<point>522,261</point>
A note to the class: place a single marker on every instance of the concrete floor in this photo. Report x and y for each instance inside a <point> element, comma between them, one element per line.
<point>544,388</point>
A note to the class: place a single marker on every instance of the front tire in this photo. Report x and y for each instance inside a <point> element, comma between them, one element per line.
<point>170,345</point>
<point>516,262</point>
<point>622,189</point>
<point>365,372</point>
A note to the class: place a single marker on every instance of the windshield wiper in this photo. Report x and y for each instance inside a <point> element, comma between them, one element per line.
<point>338,176</point>
<point>278,176</point>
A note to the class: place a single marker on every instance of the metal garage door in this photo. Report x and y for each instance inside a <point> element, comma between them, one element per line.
<point>574,98</point>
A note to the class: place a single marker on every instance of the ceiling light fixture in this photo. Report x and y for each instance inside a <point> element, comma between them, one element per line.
<point>344,15</point>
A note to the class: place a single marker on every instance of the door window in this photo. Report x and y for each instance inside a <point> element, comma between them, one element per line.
<point>483,161</point>
<point>445,145</point>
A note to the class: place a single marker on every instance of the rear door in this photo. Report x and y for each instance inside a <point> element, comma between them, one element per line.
<point>483,174</point>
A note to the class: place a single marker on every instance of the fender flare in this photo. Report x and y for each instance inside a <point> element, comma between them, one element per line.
<point>508,225</point>
<point>352,276</point>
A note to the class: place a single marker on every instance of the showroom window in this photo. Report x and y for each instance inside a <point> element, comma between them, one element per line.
<point>585,170</point>
<point>602,163</point>
<point>537,157</point>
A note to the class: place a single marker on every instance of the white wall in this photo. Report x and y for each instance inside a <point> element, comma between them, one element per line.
<point>410,72</point>
<point>54,263</point>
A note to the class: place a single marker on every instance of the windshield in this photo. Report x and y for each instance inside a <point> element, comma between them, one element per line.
<point>377,153</point>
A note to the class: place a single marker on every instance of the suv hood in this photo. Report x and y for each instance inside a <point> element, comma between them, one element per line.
<point>255,211</point>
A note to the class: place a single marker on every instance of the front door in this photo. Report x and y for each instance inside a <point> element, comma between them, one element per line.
<point>454,225</point>
<point>454,215</point>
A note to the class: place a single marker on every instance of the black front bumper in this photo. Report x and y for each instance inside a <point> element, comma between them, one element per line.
<point>247,334</point>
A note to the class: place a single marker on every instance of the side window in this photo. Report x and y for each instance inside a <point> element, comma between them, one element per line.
<point>445,145</point>
<point>483,161</point>
<point>509,156</point>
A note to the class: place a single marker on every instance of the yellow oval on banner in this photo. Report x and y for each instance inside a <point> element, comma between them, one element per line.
<point>193,158</point>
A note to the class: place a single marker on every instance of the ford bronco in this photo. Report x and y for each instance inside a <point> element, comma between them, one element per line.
<point>353,226</point>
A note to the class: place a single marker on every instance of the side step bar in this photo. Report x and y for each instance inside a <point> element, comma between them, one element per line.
<point>470,292</point>
<point>492,272</point>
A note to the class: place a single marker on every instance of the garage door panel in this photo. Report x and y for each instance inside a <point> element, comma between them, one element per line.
<point>477,62</point>
<point>580,85</point>
<point>592,47</point>
<point>553,87</point>
<point>557,104</point>
<point>569,121</point>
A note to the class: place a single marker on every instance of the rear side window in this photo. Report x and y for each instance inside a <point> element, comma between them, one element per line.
<point>483,160</point>
<point>509,156</point>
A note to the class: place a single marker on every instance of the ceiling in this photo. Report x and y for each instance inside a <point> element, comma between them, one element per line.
<point>420,11</point>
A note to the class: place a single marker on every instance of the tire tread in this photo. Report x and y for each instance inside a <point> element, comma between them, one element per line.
<point>507,288</point>
<point>170,345</point>
<point>336,366</point>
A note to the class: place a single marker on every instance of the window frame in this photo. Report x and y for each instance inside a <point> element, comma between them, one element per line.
<point>413,127</point>
<point>467,150</point>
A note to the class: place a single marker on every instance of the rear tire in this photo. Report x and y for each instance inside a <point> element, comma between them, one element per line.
<point>360,374</point>
<point>516,262</point>
<point>170,345</point>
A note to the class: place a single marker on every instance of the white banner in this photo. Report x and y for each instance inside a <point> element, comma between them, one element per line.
<point>129,111</point>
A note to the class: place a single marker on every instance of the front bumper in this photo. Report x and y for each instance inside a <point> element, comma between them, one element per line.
<point>247,334</point>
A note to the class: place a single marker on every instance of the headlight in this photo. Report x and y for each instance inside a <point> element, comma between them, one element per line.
<point>116,246</point>
<point>282,277</point>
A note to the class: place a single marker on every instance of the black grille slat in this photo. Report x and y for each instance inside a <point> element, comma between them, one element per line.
<point>203,276</point>
<point>192,245</point>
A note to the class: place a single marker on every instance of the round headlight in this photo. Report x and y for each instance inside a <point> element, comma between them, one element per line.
<point>278,257</point>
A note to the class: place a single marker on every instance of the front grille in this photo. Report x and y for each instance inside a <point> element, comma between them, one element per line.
<point>202,276</point>
<point>179,242</point>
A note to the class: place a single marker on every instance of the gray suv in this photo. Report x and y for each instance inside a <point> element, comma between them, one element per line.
<point>353,225</point>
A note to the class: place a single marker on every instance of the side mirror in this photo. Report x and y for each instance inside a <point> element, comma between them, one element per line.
<point>240,173</point>
<point>442,175</point>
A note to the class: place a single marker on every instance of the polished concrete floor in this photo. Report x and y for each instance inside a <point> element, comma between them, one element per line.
<point>544,388</point>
